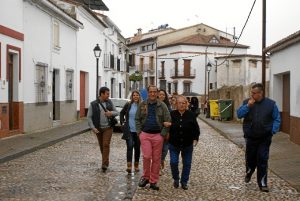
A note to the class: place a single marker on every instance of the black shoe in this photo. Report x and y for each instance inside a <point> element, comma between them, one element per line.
<point>184,186</point>
<point>264,189</point>
<point>247,178</point>
<point>143,182</point>
<point>104,168</point>
<point>154,187</point>
<point>176,184</point>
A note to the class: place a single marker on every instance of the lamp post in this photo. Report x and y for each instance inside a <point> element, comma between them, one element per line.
<point>208,69</point>
<point>97,51</point>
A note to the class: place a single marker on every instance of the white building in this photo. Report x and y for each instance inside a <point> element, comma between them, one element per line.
<point>50,49</point>
<point>285,83</point>
<point>242,69</point>
<point>184,53</point>
<point>143,55</point>
<point>11,67</point>
<point>114,71</point>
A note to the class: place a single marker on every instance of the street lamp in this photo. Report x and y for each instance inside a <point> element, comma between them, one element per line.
<point>208,69</point>
<point>97,51</point>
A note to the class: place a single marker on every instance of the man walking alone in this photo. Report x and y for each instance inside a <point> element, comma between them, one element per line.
<point>261,121</point>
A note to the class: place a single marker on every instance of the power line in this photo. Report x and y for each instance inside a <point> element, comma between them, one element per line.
<point>238,37</point>
<point>235,44</point>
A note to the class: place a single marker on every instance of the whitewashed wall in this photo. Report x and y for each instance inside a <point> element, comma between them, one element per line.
<point>11,16</point>
<point>38,43</point>
<point>87,38</point>
<point>197,62</point>
<point>286,61</point>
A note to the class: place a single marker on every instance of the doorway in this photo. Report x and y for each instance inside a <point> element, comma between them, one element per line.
<point>285,126</point>
<point>10,73</point>
<point>55,95</point>
<point>82,110</point>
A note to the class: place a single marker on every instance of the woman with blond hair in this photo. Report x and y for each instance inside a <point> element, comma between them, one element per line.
<point>127,119</point>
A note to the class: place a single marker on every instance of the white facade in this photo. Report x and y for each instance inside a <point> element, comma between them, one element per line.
<point>87,38</point>
<point>282,63</point>
<point>13,21</point>
<point>114,63</point>
<point>197,55</point>
<point>240,70</point>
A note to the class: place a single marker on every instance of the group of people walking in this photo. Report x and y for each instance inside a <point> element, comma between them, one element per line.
<point>157,125</point>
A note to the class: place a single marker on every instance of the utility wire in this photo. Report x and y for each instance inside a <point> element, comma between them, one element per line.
<point>238,37</point>
<point>236,43</point>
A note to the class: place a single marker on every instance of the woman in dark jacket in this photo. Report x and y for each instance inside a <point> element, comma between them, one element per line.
<point>184,135</point>
<point>163,96</point>
<point>129,131</point>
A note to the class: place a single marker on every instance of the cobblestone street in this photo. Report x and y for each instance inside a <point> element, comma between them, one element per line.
<point>69,170</point>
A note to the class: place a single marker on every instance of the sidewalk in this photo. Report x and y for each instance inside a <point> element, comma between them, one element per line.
<point>19,145</point>
<point>284,155</point>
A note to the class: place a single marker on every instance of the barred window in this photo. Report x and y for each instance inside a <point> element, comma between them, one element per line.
<point>56,35</point>
<point>41,82</point>
<point>69,84</point>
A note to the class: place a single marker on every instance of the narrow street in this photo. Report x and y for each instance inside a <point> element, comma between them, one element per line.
<point>69,170</point>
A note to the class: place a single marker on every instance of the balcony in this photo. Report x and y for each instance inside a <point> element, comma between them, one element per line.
<point>180,73</point>
<point>149,69</point>
<point>161,75</point>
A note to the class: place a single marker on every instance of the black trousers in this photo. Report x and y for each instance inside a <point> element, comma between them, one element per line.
<point>257,156</point>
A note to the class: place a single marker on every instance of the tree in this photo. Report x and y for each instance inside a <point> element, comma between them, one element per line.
<point>136,76</point>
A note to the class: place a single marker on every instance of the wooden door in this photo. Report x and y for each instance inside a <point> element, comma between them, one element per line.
<point>82,94</point>
<point>187,67</point>
<point>285,125</point>
<point>10,91</point>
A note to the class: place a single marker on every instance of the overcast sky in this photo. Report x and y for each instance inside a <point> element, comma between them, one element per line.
<point>283,17</point>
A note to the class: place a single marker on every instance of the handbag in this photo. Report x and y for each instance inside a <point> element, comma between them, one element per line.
<point>111,120</point>
<point>126,131</point>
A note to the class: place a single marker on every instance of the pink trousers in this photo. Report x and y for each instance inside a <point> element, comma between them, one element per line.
<point>151,145</point>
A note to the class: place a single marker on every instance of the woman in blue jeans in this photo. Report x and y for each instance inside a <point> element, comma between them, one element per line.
<point>184,135</point>
<point>129,131</point>
<point>163,96</point>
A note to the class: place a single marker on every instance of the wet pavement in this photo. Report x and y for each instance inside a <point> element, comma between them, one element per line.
<point>69,170</point>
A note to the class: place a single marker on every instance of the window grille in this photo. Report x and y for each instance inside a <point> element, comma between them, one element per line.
<point>69,84</point>
<point>41,83</point>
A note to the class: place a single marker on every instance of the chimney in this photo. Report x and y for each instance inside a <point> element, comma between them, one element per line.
<point>139,31</point>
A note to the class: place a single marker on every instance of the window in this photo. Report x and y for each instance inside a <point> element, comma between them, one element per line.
<point>252,63</point>
<point>151,62</point>
<point>41,82</point>
<point>69,84</point>
<point>132,59</point>
<point>56,38</point>
<point>236,63</point>
<point>186,87</point>
<point>169,88</point>
<point>175,87</point>
<point>214,40</point>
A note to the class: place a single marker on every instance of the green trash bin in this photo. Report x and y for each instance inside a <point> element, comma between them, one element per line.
<point>225,109</point>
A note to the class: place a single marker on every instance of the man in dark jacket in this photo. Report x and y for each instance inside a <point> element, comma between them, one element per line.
<point>100,114</point>
<point>261,121</point>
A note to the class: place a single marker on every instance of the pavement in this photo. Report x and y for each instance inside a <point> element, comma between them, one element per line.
<point>284,155</point>
<point>19,145</point>
<point>284,159</point>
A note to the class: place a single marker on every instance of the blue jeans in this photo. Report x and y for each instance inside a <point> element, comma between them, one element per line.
<point>133,143</point>
<point>164,151</point>
<point>186,154</point>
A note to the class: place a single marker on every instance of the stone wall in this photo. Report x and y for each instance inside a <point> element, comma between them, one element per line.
<point>236,93</point>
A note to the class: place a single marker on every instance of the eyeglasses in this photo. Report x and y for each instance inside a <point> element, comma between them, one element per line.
<point>181,103</point>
